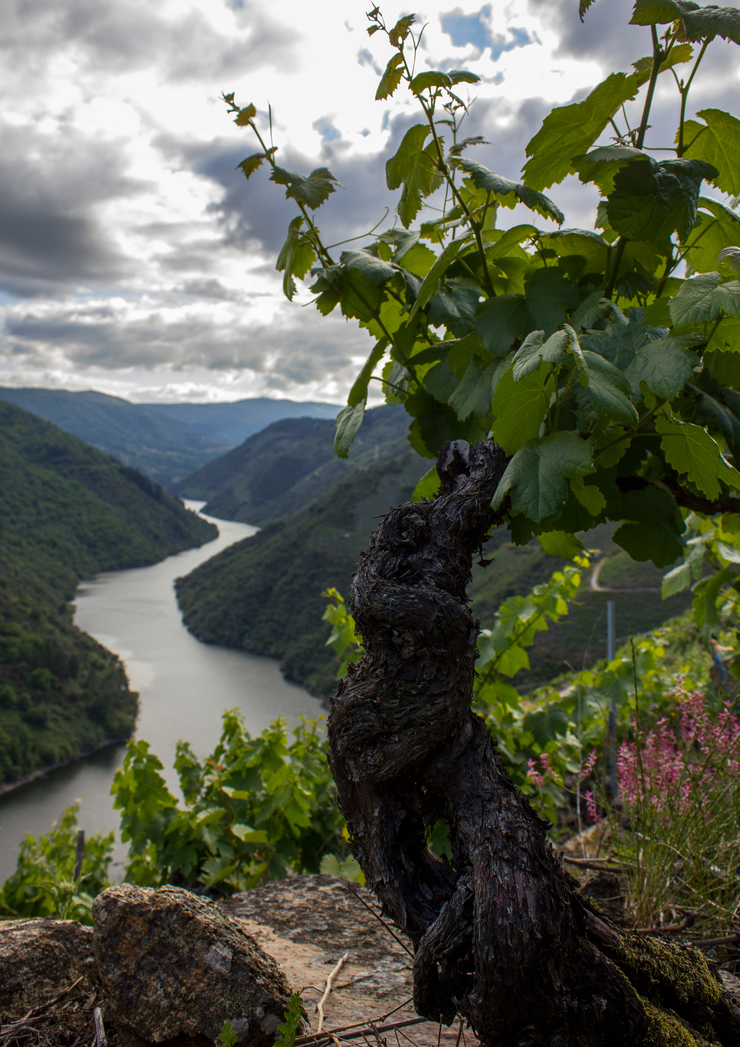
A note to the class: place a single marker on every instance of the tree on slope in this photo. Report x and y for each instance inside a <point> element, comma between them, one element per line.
<point>561,379</point>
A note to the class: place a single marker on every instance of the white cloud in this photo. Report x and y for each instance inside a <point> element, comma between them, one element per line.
<point>133,256</point>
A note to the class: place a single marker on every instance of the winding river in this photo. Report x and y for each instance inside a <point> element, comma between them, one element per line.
<point>184,686</point>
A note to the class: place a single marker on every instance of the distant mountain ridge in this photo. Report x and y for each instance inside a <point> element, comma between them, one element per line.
<point>163,448</point>
<point>167,442</point>
<point>283,468</point>
<point>68,511</point>
<point>233,422</point>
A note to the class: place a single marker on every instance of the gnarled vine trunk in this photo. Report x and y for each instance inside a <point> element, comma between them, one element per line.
<point>500,936</point>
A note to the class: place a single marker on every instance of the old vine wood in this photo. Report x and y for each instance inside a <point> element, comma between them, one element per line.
<point>500,935</point>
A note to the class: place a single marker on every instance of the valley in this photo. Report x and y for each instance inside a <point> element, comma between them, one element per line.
<point>67,512</point>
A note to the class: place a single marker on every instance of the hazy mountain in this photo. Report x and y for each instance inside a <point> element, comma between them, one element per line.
<point>290,463</point>
<point>162,447</point>
<point>67,511</point>
<point>232,423</point>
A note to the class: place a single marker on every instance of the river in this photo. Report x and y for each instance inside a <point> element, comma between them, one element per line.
<point>184,686</point>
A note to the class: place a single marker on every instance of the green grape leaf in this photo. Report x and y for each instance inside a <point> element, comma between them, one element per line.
<point>718,143</point>
<point>473,393</point>
<point>431,79</point>
<point>712,236</point>
<point>401,30</point>
<point>583,6</point>
<point>651,200</point>
<point>691,450</point>
<point>659,541</point>
<point>462,76</point>
<point>590,497</point>
<point>550,297</point>
<point>428,486</point>
<point>358,392</point>
<point>519,408</point>
<point>678,54</point>
<point>483,178</point>
<point>369,265</point>
<point>571,130</point>
<point>312,191</point>
<point>560,543</point>
<point>726,341</point>
<point>608,388</point>
<point>664,365</point>
<point>250,165</point>
<point>390,79</point>
<point>729,258</point>
<point>697,22</point>
<point>295,258</point>
<point>704,298</point>
<point>534,349</point>
<point>537,476</point>
<point>710,21</point>
<point>430,282</point>
<point>412,167</point>
<point>348,424</point>
<point>245,115</point>
<point>502,320</point>
<point>601,164</point>
<point>441,381</point>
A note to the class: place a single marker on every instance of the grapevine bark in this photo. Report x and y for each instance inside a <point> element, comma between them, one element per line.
<point>499,934</point>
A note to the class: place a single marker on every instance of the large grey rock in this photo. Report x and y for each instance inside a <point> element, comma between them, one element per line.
<point>173,967</point>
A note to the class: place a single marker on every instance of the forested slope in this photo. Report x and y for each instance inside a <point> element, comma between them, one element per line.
<point>264,593</point>
<point>164,448</point>
<point>286,466</point>
<point>67,511</point>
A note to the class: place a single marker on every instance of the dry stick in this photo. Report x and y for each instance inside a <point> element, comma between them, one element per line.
<point>37,1011</point>
<point>729,939</point>
<point>380,920</point>
<point>100,1040</point>
<point>327,990</point>
<point>595,863</point>
<point>311,1036</point>
<point>323,1040</point>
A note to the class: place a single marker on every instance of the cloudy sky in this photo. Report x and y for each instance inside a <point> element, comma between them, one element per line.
<point>135,259</point>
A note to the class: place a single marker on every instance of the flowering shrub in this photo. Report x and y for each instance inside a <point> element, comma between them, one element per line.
<point>680,787</point>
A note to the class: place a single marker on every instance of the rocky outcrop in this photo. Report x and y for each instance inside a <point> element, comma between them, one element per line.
<point>52,979</point>
<point>173,967</point>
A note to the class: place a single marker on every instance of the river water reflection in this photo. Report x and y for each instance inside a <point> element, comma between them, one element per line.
<point>184,686</point>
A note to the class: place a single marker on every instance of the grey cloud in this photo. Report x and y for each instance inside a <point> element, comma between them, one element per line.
<point>49,236</point>
<point>256,212</point>
<point>299,347</point>
<point>129,36</point>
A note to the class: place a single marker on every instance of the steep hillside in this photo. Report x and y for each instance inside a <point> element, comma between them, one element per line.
<point>286,466</point>
<point>264,594</point>
<point>66,511</point>
<point>232,423</point>
<point>154,443</point>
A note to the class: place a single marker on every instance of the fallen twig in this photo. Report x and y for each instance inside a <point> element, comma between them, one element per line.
<point>380,920</point>
<point>100,1039</point>
<point>595,863</point>
<point>325,1039</point>
<point>729,939</point>
<point>36,1012</point>
<point>327,990</point>
<point>669,928</point>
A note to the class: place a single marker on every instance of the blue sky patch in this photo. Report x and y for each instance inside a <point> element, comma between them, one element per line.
<point>327,131</point>
<point>474,29</point>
